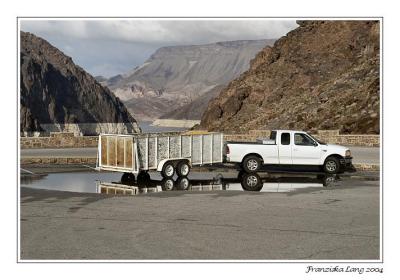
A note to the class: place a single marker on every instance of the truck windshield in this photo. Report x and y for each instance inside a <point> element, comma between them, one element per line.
<point>319,142</point>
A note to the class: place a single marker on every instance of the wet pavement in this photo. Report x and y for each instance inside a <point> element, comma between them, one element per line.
<point>209,215</point>
<point>92,181</point>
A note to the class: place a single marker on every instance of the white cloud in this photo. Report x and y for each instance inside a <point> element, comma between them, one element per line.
<point>156,31</point>
<point>104,47</point>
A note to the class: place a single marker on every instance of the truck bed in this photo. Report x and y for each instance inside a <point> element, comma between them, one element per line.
<point>247,143</point>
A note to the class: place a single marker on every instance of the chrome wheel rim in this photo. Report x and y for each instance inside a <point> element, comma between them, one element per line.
<point>252,164</point>
<point>252,181</point>
<point>331,166</point>
<point>169,170</point>
<point>330,179</point>
<point>184,169</point>
<point>184,183</point>
<point>169,184</point>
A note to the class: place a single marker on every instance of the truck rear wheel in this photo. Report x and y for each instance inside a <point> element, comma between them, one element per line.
<point>183,169</point>
<point>331,165</point>
<point>251,182</point>
<point>251,164</point>
<point>168,170</point>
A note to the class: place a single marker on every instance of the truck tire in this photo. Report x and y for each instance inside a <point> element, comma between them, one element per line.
<point>251,164</point>
<point>168,170</point>
<point>183,168</point>
<point>128,179</point>
<point>331,165</point>
<point>251,182</point>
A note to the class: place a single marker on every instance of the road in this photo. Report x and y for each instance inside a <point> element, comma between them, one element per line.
<point>368,155</point>
<point>365,155</point>
<point>312,224</point>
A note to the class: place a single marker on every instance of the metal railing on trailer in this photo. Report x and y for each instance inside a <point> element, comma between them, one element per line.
<point>143,152</point>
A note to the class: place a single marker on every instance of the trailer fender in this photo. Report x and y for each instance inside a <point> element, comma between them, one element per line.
<point>174,160</point>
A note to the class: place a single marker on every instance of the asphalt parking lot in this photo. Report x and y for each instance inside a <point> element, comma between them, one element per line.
<point>339,222</point>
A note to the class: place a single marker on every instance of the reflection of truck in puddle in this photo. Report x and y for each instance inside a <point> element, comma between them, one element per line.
<point>243,182</point>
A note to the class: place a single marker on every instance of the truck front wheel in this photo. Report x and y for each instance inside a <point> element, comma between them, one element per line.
<point>331,165</point>
<point>251,164</point>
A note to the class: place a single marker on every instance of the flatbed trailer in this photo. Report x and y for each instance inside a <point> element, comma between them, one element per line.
<point>168,153</point>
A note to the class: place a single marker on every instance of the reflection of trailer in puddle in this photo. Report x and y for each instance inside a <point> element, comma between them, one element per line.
<point>116,189</point>
<point>244,182</point>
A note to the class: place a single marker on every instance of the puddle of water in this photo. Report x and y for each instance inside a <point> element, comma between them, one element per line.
<point>72,182</point>
<point>92,182</point>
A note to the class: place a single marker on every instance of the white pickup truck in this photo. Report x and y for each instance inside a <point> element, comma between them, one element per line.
<point>289,148</point>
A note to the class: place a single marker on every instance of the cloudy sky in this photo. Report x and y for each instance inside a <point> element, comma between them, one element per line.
<point>110,47</point>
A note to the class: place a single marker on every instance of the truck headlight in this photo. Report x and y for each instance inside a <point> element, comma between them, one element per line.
<point>348,153</point>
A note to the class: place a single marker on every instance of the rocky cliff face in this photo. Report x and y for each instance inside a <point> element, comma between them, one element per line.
<point>195,109</point>
<point>57,95</point>
<point>322,75</point>
<point>176,76</point>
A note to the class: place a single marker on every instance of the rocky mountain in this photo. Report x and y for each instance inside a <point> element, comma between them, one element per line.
<point>195,109</point>
<point>176,76</point>
<point>57,95</point>
<point>101,79</point>
<point>322,75</point>
<point>111,82</point>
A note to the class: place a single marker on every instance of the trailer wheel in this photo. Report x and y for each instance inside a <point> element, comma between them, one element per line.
<point>168,170</point>
<point>183,168</point>
<point>143,176</point>
<point>167,184</point>
<point>128,179</point>
<point>183,183</point>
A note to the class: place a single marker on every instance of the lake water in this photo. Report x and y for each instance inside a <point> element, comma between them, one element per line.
<point>147,127</point>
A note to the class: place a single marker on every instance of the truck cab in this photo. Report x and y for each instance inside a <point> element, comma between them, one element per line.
<point>289,148</point>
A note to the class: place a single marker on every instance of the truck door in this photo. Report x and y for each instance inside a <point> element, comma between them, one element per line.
<point>305,150</point>
<point>285,148</point>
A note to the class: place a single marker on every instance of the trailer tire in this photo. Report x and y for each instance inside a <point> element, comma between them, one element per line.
<point>183,168</point>
<point>182,183</point>
<point>251,164</point>
<point>168,170</point>
<point>143,176</point>
<point>128,179</point>
<point>167,184</point>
